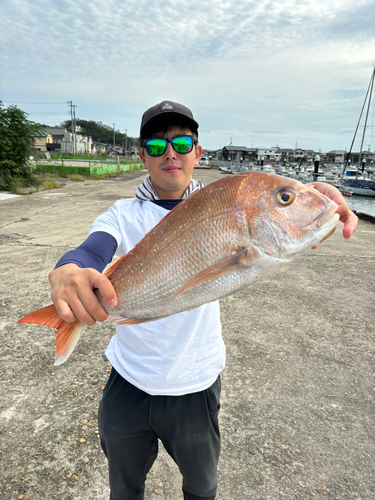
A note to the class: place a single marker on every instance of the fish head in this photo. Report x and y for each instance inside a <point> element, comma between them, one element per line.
<point>286,217</point>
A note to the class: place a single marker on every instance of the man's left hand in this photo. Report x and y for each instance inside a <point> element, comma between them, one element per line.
<point>347,217</point>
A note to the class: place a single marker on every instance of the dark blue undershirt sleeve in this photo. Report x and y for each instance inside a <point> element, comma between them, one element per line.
<point>95,252</point>
<point>98,249</point>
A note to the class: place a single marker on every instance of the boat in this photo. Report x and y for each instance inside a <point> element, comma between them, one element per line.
<point>352,181</point>
<point>362,187</point>
<point>345,192</point>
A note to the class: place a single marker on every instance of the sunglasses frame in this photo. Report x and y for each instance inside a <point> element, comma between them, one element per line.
<point>169,140</point>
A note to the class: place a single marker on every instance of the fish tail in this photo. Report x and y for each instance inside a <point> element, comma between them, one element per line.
<point>67,334</point>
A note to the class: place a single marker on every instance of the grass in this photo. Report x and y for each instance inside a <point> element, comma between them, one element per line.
<point>44,180</point>
<point>77,178</point>
<point>50,184</point>
<point>123,159</point>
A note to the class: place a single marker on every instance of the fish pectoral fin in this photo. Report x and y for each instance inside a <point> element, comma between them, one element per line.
<point>67,334</point>
<point>241,258</point>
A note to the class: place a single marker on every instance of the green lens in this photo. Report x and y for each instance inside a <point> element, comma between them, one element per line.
<point>182,144</point>
<point>156,147</point>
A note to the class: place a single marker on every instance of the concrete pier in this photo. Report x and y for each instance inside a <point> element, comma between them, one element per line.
<point>297,416</point>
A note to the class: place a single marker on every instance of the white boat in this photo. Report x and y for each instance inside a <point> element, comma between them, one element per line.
<point>267,168</point>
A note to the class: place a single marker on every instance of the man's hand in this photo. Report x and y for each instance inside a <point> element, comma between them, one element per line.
<point>73,296</point>
<point>347,217</point>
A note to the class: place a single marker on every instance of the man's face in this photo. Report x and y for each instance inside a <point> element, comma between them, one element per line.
<point>170,173</point>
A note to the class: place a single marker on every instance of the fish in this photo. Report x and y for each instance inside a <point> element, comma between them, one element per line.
<point>217,241</point>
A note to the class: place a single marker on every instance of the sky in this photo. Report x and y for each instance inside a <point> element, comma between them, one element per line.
<point>287,73</point>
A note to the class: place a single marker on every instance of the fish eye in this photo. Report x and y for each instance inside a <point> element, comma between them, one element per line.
<point>285,198</point>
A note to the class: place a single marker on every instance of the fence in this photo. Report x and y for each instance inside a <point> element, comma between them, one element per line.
<point>88,167</point>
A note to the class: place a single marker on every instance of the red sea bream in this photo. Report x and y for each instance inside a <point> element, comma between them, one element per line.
<point>214,243</point>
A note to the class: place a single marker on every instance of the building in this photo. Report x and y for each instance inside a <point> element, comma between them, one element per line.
<point>269,154</point>
<point>63,141</point>
<point>42,141</point>
<point>287,156</point>
<point>98,148</point>
<point>336,156</point>
<point>235,153</point>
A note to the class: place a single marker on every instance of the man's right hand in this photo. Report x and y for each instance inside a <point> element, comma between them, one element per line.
<point>73,296</point>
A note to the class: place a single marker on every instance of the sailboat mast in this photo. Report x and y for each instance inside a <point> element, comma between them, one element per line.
<point>365,125</point>
<point>346,160</point>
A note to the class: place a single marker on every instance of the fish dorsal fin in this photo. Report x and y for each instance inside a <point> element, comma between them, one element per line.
<point>114,266</point>
<point>241,257</point>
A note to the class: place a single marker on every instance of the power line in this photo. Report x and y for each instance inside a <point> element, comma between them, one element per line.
<point>45,123</point>
<point>22,102</point>
<point>84,113</point>
<point>54,113</point>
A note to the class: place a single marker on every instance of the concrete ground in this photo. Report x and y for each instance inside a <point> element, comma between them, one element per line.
<point>297,413</point>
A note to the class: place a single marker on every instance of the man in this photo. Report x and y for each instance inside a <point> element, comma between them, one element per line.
<point>165,381</point>
<point>316,166</point>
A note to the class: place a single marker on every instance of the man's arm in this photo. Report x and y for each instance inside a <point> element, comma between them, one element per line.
<point>77,273</point>
<point>347,217</point>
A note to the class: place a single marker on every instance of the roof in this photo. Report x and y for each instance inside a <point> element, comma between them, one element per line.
<point>42,133</point>
<point>238,148</point>
<point>60,130</point>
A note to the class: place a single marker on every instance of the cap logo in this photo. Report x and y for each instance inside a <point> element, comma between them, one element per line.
<point>167,106</point>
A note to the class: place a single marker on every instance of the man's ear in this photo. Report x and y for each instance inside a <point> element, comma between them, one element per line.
<point>198,154</point>
<point>142,157</point>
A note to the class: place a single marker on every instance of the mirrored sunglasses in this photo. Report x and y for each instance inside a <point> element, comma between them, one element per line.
<point>182,144</point>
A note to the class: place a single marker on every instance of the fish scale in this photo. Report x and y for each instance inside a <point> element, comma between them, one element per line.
<point>215,242</point>
<point>163,277</point>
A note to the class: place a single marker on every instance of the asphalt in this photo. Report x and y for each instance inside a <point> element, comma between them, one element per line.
<point>297,414</point>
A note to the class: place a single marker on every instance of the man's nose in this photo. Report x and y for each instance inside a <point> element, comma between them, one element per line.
<point>170,152</point>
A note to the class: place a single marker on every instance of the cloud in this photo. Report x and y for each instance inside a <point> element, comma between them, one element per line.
<point>242,66</point>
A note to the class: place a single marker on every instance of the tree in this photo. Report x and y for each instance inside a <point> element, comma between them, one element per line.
<point>16,144</point>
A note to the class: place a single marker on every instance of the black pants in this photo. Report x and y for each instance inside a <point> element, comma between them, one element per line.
<point>131,422</point>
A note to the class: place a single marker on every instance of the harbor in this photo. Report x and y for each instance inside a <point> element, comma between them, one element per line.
<point>297,401</point>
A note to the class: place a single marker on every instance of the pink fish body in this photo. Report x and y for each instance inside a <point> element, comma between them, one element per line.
<point>214,243</point>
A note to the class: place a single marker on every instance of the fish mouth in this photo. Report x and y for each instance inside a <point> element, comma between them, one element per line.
<point>327,218</point>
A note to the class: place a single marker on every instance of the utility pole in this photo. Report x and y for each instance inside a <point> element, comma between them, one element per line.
<point>126,142</point>
<point>74,130</point>
<point>73,124</point>
<point>69,103</point>
<point>114,142</point>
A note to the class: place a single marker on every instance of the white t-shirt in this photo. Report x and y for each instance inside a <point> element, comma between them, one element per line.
<point>177,355</point>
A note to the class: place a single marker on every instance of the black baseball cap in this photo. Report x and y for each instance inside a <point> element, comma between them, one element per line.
<point>166,109</point>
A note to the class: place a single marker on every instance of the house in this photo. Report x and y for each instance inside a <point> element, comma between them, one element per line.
<point>116,151</point>
<point>236,153</point>
<point>287,156</point>
<point>59,135</point>
<point>299,154</point>
<point>133,150</point>
<point>213,153</point>
<point>269,154</point>
<point>367,155</point>
<point>42,140</point>
<point>98,148</point>
<point>307,154</point>
<point>336,156</point>
<point>63,141</point>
